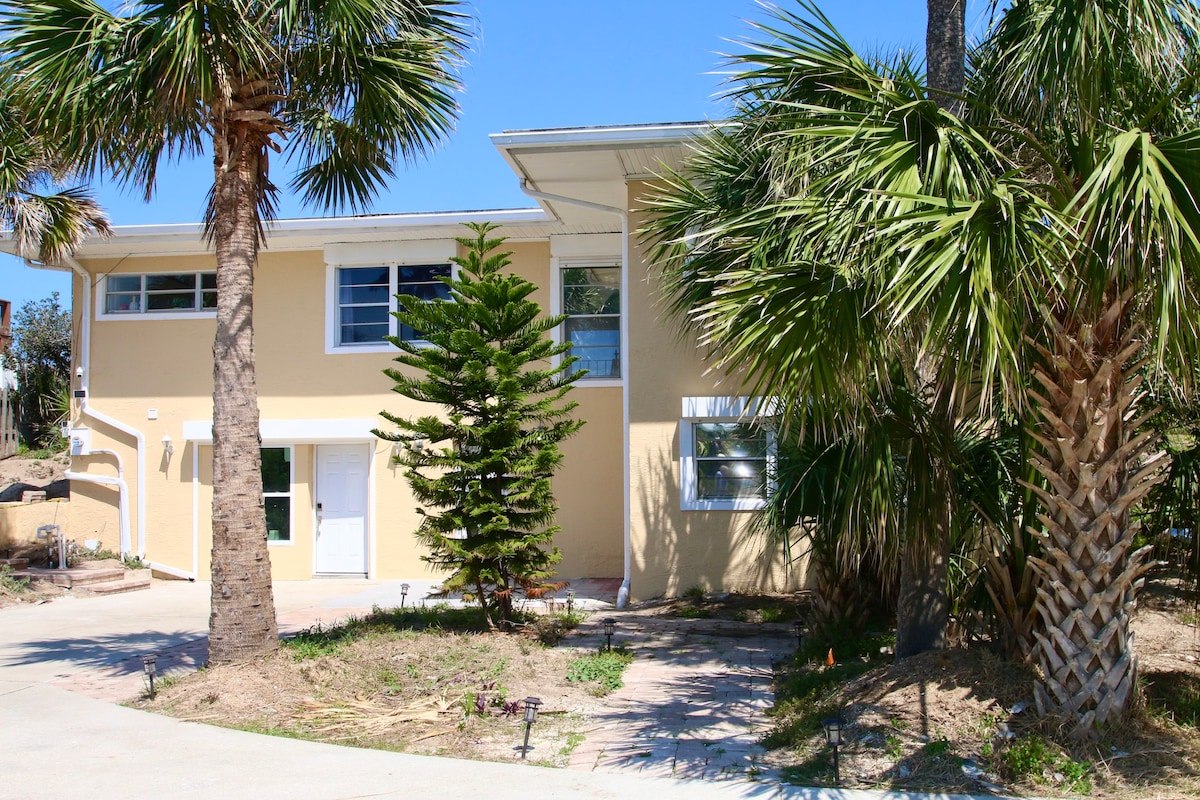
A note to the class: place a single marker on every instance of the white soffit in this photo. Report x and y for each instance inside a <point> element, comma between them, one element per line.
<point>293,431</point>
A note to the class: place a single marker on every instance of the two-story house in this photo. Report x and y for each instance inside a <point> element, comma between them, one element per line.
<point>655,489</point>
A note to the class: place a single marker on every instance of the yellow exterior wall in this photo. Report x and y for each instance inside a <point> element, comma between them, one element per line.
<point>163,368</point>
<point>675,550</point>
<point>19,522</point>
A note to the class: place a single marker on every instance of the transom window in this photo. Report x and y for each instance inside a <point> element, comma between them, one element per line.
<point>366,296</point>
<point>277,492</point>
<point>160,293</point>
<point>591,297</point>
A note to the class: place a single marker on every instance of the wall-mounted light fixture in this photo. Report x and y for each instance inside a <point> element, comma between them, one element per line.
<point>168,445</point>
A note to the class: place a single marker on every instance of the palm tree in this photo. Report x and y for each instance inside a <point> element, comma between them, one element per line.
<point>848,211</point>
<point>348,89</point>
<point>45,225</point>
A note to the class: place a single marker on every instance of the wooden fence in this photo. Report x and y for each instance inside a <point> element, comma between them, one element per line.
<point>8,423</point>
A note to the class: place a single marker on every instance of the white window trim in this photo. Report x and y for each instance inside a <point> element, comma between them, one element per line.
<point>377,254</point>
<point>718,409</point>
<point>290,494</point>
<point>557,265</point>
<point>102,314</point>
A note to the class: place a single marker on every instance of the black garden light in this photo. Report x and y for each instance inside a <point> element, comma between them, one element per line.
<point>150,667</point>
<point>403,594</point>
<point>531,712</point>
<point>610,627</point>
<point>798,626</point>
<point>833,737</point>
<point>570,601</point>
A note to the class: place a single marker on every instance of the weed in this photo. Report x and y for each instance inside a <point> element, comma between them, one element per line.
<point>603,669</point>
<point>936,748</point>
<point>691,612</point>
<point>1190,616</point>
<point>574,739</point>
<point>9,584</point>
<point>893,746</point>
<point>694,593</point>
<point>774,614</point>
<point>551,628</point>
<point>1033,759</point>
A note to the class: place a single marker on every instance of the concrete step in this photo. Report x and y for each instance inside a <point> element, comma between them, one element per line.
<point>80,578</point>
<point>119,587</point>
<point>15,563</point>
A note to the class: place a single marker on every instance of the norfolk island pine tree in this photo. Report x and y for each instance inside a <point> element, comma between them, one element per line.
<point>482,468</point>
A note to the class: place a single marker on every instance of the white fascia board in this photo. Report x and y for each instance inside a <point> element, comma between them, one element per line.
<point>298,234</point>
<point>615,136</point>
<point>293,431</point>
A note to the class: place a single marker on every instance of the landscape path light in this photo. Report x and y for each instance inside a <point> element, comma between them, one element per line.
<point>610,627</point>
<point>833,737</point>
<point>150,667</point>
<point>570,601</point>
<point>798,625</point>
<point>403,594</point>
<point>531,712</point>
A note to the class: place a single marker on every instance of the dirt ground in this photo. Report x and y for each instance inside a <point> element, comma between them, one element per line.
<point>936,722</point>
<point>35,471</point>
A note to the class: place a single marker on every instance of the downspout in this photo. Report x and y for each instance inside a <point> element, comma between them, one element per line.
<point>122,496</point>
<point>623,592</point>
<point>85,347</point>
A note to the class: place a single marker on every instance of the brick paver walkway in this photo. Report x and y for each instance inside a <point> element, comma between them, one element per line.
<point>694,700</point>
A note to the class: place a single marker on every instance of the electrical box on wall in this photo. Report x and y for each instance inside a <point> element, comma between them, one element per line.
<point>81,441</point>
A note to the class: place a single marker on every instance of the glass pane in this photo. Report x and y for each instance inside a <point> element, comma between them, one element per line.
<point>279,518</point>
<point>364,334</point>
<point>276,469</point>
<point>124,283</point>
<point>730,439</point>
<point>122,303</point>
<point>729,479</point>
<point>363,276</point>
<point>208,299</point>
<point>364,294</point>
<point>425,291</point>
<point>423,273</point>
<point>597,343</point>
<point>591,300</point>
<point>592,290</point>
<point>170,283</point>
<point>363,315</point>
<point>208,280</point>
<point>172,301</point>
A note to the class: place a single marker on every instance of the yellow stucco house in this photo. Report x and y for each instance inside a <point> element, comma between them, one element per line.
<point>654,490</point>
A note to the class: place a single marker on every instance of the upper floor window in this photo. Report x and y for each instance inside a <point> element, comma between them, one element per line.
<point>160,293</point>
<point>366,296</point>
<point>591,299</point>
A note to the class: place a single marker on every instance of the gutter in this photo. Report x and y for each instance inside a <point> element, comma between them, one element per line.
<point>623,592</point>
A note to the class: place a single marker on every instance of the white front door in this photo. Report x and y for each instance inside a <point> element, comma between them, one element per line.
<point>342,509</point>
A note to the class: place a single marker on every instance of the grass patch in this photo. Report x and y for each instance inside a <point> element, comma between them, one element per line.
<point>603,669</point>
<point>320,640</point>
<point>1174,695</point>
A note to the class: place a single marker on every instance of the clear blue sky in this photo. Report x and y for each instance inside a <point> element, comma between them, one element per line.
<point>539,64</point>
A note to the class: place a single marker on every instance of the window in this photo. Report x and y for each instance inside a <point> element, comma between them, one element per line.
<point>366,298</point>
<point>277,492</point>
<point>726,454</point>
<point>591,297</point>
<point>156,294</point>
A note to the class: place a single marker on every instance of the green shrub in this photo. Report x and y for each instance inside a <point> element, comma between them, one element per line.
<point>10,584</point>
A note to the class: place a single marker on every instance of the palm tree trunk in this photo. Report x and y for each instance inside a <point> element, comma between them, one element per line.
<point>1098,466</point>
<point>242,623</point>
<point>923,605</point>
<point>945,51</point>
